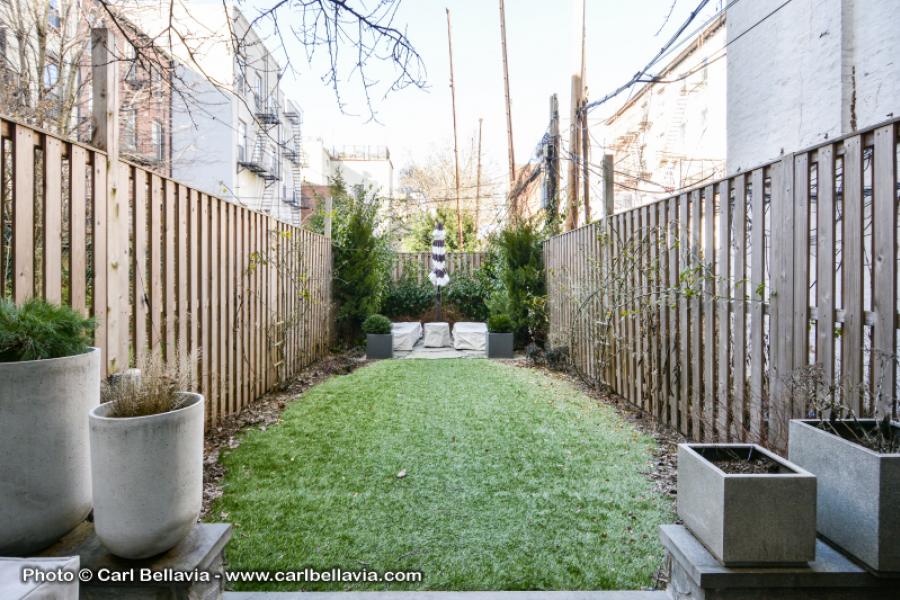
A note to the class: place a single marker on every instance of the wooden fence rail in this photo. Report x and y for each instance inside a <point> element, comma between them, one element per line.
<point>726,310</point>
<point>245,294</point>
<point>418,264</point>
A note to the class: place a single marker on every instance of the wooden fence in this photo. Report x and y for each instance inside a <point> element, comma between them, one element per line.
<point>418,264</point>
<point>726,310</point>
<point>192,275</point>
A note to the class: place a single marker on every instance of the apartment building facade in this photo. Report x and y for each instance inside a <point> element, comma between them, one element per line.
<point>57,44</point>
<point>671,134</point>
<point>235,134</point>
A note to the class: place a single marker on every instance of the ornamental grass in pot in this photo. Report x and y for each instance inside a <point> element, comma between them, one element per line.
<point>49,380</point>
<point>147,460</point>
<point>379,339</point>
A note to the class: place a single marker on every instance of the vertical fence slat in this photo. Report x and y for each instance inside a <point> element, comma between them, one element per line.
<point>23,214</point>
<point>852,328</point>
<point>77,229</point>
<point>52,276</point>
<point>825,263</point>
<point>171,262</point>
<point>139,263</point>
<point>781,309</point>
<point>885,269</point>
<point>709,310</point>
<point>738,307</point>
<point>800,334</point>
<point>757,294</point>
<point>696,319</point>
<point>683,324</point>
<point>723,274</point>
<point>98,235</point>
<point>674,341</point>
<point>183,294</point>
<point>157,285</point>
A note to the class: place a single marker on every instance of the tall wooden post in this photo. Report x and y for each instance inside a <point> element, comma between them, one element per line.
<point>459,235</point>
<point>513,202</point>
<point>105,81</point>
<point>574,155</point>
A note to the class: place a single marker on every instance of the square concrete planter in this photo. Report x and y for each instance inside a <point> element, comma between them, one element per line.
<point>859,493</point>
<point>379,345</point>
<point>500,345</point>
<point>747,519</point>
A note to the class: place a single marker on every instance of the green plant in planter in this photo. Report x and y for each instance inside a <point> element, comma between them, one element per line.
<point>377,325</point>
<point>38,330</point>
<point>500,324</point>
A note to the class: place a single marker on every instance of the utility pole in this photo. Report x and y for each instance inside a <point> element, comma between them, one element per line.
<point>585,141</point>
<point>608,193</point>
<point>478,179</point>
<point>585,158</point>
<point>459,235</point>
<point>513,202</point>
<point>575,128</point>
<point>552,159</point>
<point>574,155</point>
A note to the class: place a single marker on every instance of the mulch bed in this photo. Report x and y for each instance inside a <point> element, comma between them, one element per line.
<point>262,414</point>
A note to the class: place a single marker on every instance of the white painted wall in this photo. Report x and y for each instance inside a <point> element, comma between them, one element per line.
<point>815,70</point>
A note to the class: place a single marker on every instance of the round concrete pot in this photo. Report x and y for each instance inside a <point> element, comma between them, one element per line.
<point>45,477</point>
<point>147,477</point>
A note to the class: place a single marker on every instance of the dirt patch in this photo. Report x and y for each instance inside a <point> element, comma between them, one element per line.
<point>262,414</point>
<point>755,465</point>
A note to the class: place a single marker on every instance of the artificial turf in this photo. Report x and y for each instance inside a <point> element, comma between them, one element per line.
<point>513,480</point>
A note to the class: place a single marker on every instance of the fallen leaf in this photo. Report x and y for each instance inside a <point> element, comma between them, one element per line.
<point>401,474</point>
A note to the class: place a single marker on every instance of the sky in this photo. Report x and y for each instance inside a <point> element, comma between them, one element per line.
<point>543,46</point>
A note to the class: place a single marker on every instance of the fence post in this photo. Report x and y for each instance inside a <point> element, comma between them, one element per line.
<point>105,83</point>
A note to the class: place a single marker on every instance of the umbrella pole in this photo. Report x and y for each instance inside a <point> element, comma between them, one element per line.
<point>437,302</point>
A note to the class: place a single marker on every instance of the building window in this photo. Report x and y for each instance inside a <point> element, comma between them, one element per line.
<point>259,91</point>
<point>129,117</point>
<point>130,62</point>
<point>51,76</point>
<point>156,134</point>
<point>242,141</point>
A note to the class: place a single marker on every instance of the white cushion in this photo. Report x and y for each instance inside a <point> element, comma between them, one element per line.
<point>406,335</point>
<point>470,336</point>
<point>437,335</point>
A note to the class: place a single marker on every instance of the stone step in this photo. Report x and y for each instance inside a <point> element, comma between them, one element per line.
<point>564,595</point>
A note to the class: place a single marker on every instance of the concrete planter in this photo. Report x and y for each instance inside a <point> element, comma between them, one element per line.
<point>859,493</point>
<point>148,478</point>
<point>379,345</point>
<point>747,519</point>
<point>45,477</point>
<point>500,345</point>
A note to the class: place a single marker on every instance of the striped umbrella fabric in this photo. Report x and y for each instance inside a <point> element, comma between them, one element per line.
<point>438,275</point>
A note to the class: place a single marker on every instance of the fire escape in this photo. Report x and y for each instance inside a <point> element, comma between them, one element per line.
<point>292,152</point>
<point>263,158</point>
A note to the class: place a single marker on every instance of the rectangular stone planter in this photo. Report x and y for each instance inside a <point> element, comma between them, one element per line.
<point>379,345</point>
<point>747,519</point>
<point>859,493</point>
<point>500,345</point>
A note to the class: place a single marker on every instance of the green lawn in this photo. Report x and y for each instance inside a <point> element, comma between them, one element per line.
<point>514,480</point>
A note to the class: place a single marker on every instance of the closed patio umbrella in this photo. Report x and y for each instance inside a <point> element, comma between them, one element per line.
<point>438,275</point>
